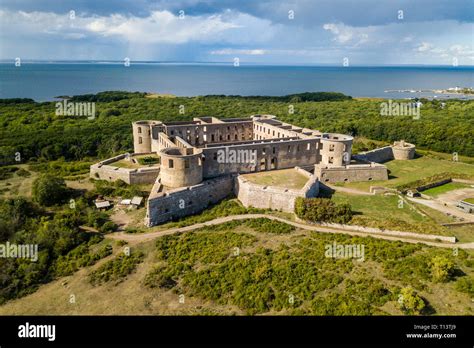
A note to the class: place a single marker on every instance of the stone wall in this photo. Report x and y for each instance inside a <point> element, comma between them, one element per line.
<point>105,170</point>
<point>379,155</point>
<point>272,197</point>
<point>351,173</point>
<point>433,184</point>
<point>400,150</point>
<point>163,207</point>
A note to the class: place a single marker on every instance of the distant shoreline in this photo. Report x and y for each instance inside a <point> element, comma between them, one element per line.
<point>42,82</point>
<point>229,63</point>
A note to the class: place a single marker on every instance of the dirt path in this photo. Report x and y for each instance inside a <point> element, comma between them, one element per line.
<point>139,238</point>
<point>455,196</point>
<point>121,219</point>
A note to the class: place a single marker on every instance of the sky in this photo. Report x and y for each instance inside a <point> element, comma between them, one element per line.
<point>357,32</point>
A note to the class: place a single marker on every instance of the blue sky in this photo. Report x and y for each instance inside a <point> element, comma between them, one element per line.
<point>366,32</point>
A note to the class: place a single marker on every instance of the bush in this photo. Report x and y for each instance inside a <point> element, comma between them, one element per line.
<point>148,160</point>
<point>269,226</point>
<point>410,302</point>
<point>322,209</point>
<point>23,173</point>
<point>442,269</point>
<point>7,172</point>
<point>159,277</point>
<point>116,269</point>
<point>79,257</point>
<point>108,227</point>
<point>49,190</point>
<point>465,284</point>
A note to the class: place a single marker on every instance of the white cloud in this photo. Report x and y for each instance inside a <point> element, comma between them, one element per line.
<point>157,27</point>
<point>160,27</point>
<point>425,46</point>
<point>230,51</point>
<point>345,34</point>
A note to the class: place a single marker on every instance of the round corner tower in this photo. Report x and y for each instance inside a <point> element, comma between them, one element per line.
<point>180,167</point>
<point>142,135</point>
<point>403,150</point>
<point>336,149</point>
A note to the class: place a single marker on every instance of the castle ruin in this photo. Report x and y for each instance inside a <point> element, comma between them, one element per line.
<point>204,160</point>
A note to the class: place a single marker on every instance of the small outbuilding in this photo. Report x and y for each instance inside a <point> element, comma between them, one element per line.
<point>137,200</point>
<point>102,205</point>
<point>466,206</point>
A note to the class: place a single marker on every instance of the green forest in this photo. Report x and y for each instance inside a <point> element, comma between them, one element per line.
<point>32,131</point>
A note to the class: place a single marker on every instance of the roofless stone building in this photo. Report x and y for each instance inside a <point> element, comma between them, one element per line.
<point>200,162</point>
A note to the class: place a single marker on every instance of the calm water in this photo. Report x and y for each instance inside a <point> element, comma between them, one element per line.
<point>45,81</point>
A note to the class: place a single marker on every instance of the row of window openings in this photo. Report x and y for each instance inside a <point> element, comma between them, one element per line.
<point>268,131</point>
<point>186,163</point>
<point>188,131</point>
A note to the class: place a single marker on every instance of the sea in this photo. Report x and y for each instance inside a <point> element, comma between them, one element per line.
<point>44,81</point>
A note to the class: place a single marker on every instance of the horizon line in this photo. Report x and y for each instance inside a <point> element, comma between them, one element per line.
<point>230,63</point>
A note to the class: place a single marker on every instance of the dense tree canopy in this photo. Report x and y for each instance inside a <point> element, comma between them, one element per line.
<point>49,190</point>
<point>34,131</point>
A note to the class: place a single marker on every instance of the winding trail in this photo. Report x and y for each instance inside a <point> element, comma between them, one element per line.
<point>144,237</point>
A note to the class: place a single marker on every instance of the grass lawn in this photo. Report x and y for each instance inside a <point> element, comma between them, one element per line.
<point>288,178</point>
<point>124,163</point>
<point>18,185</point>
<point>402,172</point>
<point>382,211</point>
<point>464,233</point>
<point>469,200</point>
<point>436,191</point>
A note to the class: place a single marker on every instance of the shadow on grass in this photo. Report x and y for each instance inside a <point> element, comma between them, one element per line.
<point>325,191</point>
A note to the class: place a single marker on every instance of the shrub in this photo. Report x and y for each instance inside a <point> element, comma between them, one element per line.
<point>465,284</point>
<point>107,227</point>
<point>116,269</point>
<point>159,277</point>
<point>148,160</point>
<point>80,257</point>
<point>7,172</point>
<point>49,190</point>
<point>410,302</point>
<point>23,172</point>
<point>269,226</point>
<point>442,269</point>
<point>322,209</point>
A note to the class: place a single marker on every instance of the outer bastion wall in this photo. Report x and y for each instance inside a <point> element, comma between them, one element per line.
<point>379,155</point>
<point>187,201</point>
<point>351,173</point>
<point>272,197</point>
<point>400,150</point>
<point>104,170</point>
